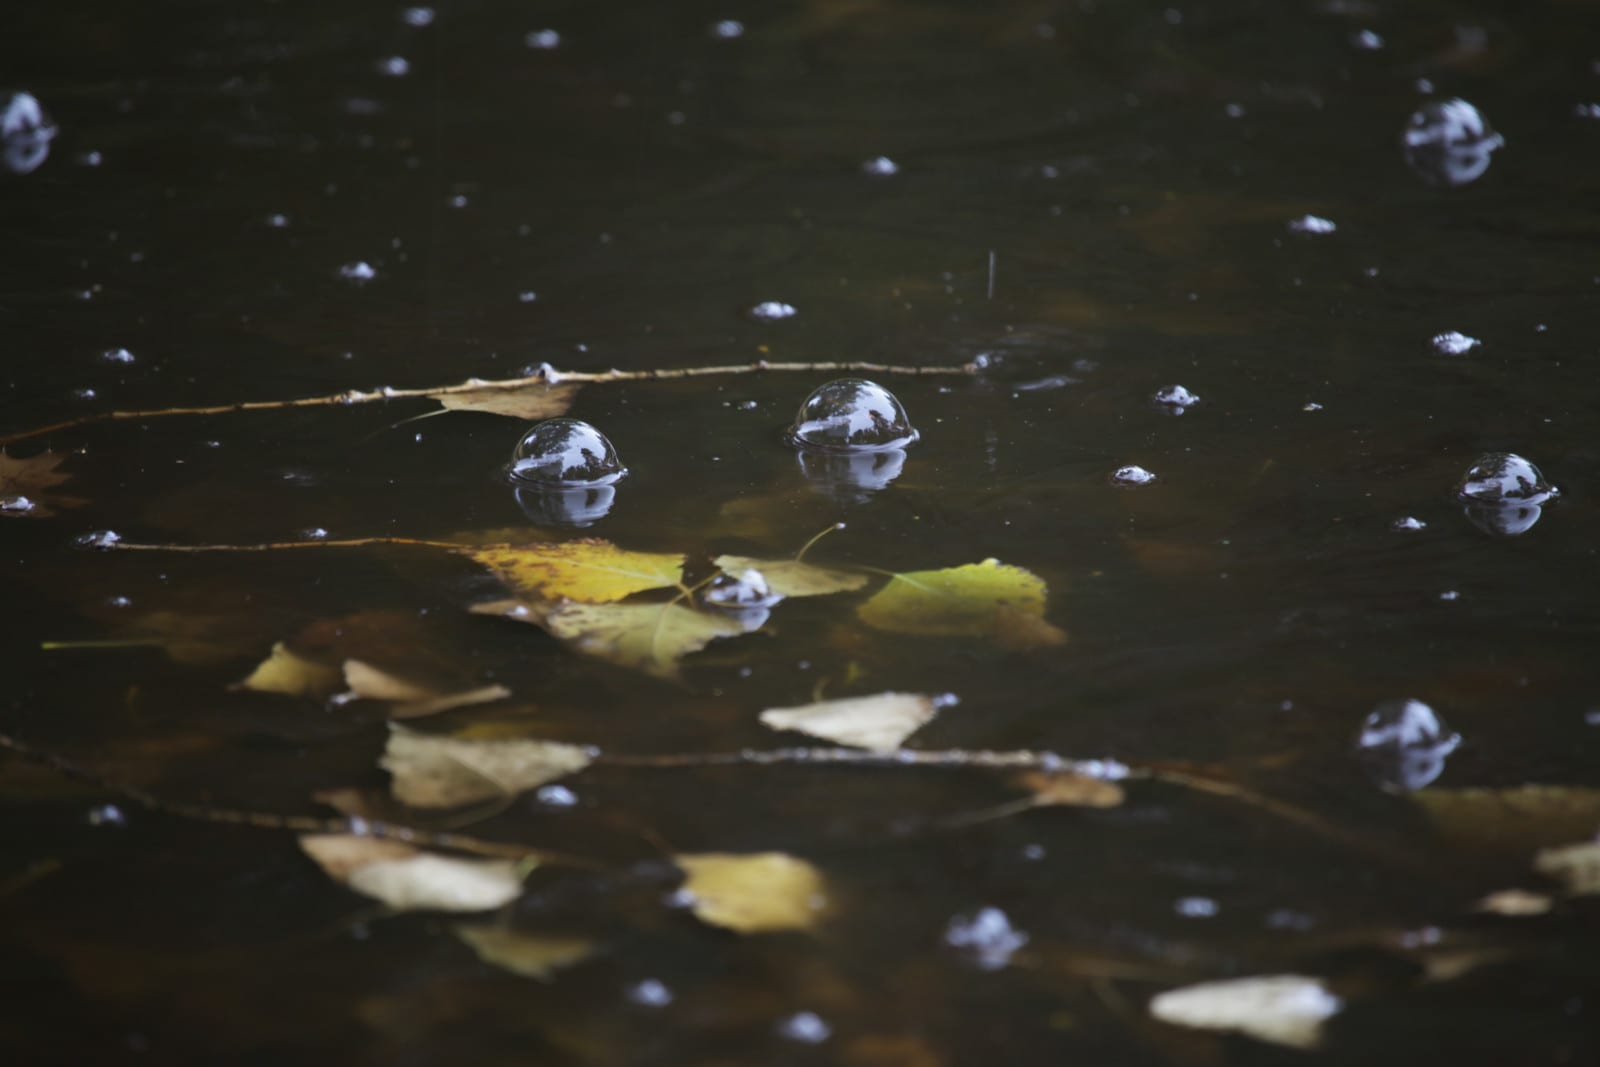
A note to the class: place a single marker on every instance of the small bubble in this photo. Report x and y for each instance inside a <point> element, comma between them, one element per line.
<point>987,935</point>
<point>1453,343</point>
<point>1366,41</point>
<point>527,296</point>
<point>1312,224</point>
<point>90,158</point>
<point>556,796</point>
<point>97,539</point>
<point>119,602</point>
<point>543,40</point>
<point>107,815</point>
<point>1311,405</point>
<point>417,16</point>
<point>727,29</point>
<point>772,311</point>
<point>277,221</point>
<point>1197,907</point>
<point>881,167</point>
<point>1407,523</point>
<point>360,272</point>
<point>806,1027</point>
<point>117,355</point>
<point>394,66</point>
<point>1034,852</point>
<point>16,505</point>
<point>314,533</point>
<point>1132,475</point>
<point>1234,111</point>
<point>457,201</point>
<point>1174,399</point>
<point>649,993</point>
<point>1587,111</point>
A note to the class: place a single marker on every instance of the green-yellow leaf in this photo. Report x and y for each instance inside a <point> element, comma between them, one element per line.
<point>881,722</point>
<point>646,637</point>
<point>588,571</point>
<point>1284,1009</point>
<point>754,893</point>
<point>444,772</point>
<point>1513,819</point>
<point>530,955</point>
<point>788,577</point>
<point>409,879</point>
<point>286,672</point>
<point>989,599</point>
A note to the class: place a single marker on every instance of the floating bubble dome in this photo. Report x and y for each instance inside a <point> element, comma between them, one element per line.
<point>564,452</point>
<point>851,415</point>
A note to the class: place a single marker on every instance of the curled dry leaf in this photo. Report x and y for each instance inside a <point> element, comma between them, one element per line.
<point>25,486</point>
<point>530,955</point>
<point>284,671</point>
<point>408,879</point>
<point>1067,789</point>
<point>536,400</point>
<point>410,700</point>
<point>788,577</point>
<point>1284,1009</point>
<point>989,599</point>
<point>646,637</point>
<point>1519,818</point>
<point>588,571</point>
<point>881,722</point>
<point>754,893</point>
<point>1576,867</point>
<point>445,772</point>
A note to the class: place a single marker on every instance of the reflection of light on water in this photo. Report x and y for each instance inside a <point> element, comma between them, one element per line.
<point>575,506</point>
<point>852,477</point>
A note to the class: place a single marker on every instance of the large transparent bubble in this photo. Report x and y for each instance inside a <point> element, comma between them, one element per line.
<point>25,133</point>
<point>564,453</point>
<point>1504,478</point>
<point>851,415</point>
<point>1403,745</point>
<point>1448,142</point>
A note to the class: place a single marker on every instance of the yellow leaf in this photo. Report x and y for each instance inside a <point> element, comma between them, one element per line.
<point>753,893</point>
<point>444,772</point>
<point>988,599</point>
<point>880,722</point>
<point>589,571</point>
<point>647,637</point>
<point>410,700</point>
<point>24,485</point>
<point>1285,1009</point>
<point>409,879</point>
<point>1066,789</point>
<point>1514,819</point>
<point>532,401</point>
<point>530,955</point>
<point>292,675</point>
<point>1515,902</point>
<point>788,577</point>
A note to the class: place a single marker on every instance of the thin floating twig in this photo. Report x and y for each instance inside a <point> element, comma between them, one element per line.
<point>546,376</point>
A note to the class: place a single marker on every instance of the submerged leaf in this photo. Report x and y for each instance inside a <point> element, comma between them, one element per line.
<point>286,672</point>
<point>1518,818</point>
<point>409,879</point>
<point>647,637</point>
<point>788,577</point>
<point>1285,1009</point>
<point>989,599</point>
<point>535,400</point>
<point>530,955</point>
<point>24,483</point>
<point>589,571</point>
<point>410,700</point>
<point>1577,867</point>
<point>445,772</point>
<point>1067,789</point>
<point>881,722</point>
<point>753,893</point>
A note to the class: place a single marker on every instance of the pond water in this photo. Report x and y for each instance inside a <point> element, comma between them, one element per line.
<point>1236,326</point>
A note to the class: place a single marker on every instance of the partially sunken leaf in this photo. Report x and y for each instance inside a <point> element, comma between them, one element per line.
<point>788,577</point>
<point>410,700</point>
<point>754,893</point>
<point>881,722</point>
<point>1066,789</point>
<point>444,772</point>
<point>1577,867</point>
<point>533,401</point>
<point>989,599</point>
<point>647,637</point>
<point>292,675</point>
<point>24,484</point>
<point>1284,1009</point>
<point>589,571</point>
<point>530,955</point>
<point>1518,818</point>
<point>407,879</point>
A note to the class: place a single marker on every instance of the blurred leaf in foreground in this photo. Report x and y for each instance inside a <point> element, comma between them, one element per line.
<point>1067,789</point>
<point>408,879</point>
<point>25,485</point>
<point>1577,867</point>
<point>881,722</point>
<point>753,893</point>
<point>530,955</point>
<point>1284,1009</point>
<point>445,772</point>
<point>285,671</point>
<point>1521,817</point>
<point>410,700</point>
<point>588,571</point>
<point>989,599</point>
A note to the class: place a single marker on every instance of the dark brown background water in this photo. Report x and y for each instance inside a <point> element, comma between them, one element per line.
<point>1133,168</point>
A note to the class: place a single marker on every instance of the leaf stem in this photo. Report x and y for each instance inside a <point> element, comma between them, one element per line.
<point>824,532</point>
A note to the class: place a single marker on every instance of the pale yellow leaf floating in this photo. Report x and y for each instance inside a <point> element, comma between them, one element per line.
<point>291,674</point>
<point>530,955</point>
<point>409,879</point>
<point>444,772</point>
<point>1068,789</point>
<point>1516,819</point>
<point>647,637</point>
<point>989,599</point>
<point>410,700</point>
<point>589,571</point>
<point>1577,867</point>
<point>1284,1009</point>
<point>535,400</point>
<point>880,723</point>
<point>788,577</point>
<point>754,893</point>
<point>1515,903</point>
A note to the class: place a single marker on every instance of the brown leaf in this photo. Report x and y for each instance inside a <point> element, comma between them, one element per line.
<point>881,722</point>
<point>410,700</point>
<point>532,401</point>
<point>1066,789</point>
<point>291,674</point>
<point>24,485</point>
<point>445,772</point>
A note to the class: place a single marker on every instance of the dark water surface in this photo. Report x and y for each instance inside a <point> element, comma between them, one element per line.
<point>1133,169</point>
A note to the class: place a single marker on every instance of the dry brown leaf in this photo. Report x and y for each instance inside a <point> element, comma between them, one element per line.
<point>788,577</point>
<point>754,893</point>
<point>1066,789</point>
<point>445,772</point>
<point>533,401</point>
<point>286,672</point>
<point>408,879</point>
<point>530,955</point>
<point>25,483</point>
<point>1284,1009</point>
<point>410,700</point>
<point>881,722</point>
